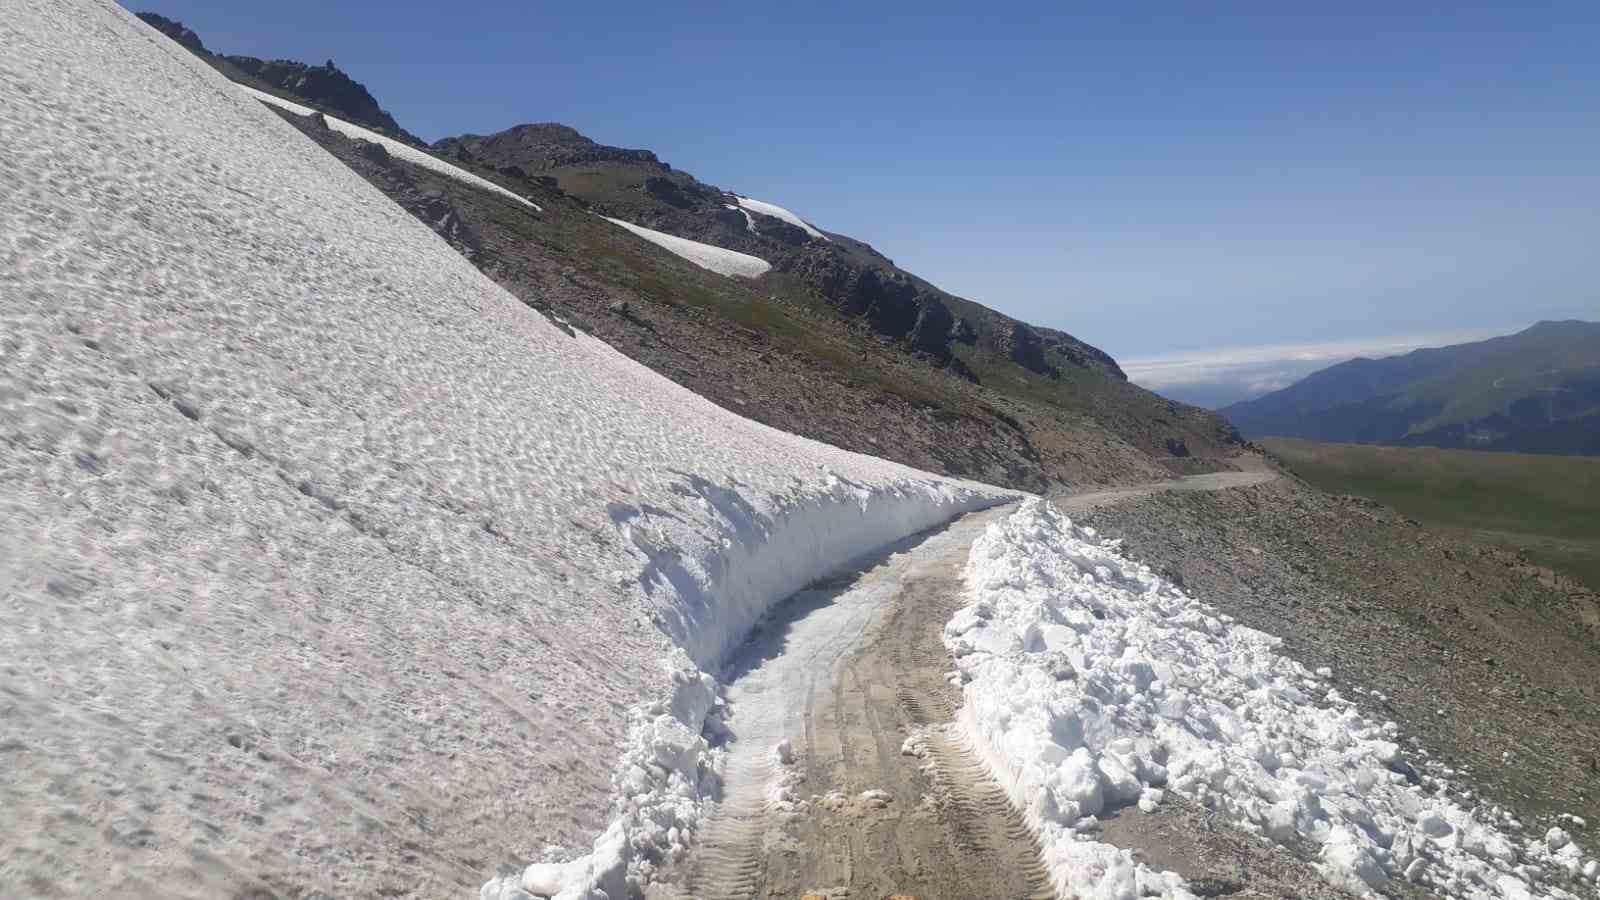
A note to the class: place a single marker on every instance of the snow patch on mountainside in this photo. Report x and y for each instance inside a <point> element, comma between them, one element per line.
<point>396,148</point>
<point>778,212</point>
<point>749,220</point>
<point>1091,683</point>
<point>706,256</point>
<point>328,563</point>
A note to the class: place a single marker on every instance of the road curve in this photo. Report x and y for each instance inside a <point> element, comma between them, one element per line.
<point>875,793</point>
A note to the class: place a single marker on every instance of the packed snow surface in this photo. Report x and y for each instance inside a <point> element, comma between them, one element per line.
<point>327,567</point>
<point>778,212</point>
<point>706,256</point>
<point>1091,683</point>
<point>396,148</point>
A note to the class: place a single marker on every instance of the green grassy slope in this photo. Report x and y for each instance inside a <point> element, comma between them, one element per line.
<point>1548,505</point>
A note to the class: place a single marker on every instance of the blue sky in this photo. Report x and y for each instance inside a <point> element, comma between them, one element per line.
<point>1156,179</point>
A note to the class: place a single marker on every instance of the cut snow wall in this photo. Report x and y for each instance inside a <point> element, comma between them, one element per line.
<point>297,504</point>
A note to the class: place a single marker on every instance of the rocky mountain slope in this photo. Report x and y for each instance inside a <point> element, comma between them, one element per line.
<point>1536,391</point>
<point>835,342</point>
<point>324,87</point>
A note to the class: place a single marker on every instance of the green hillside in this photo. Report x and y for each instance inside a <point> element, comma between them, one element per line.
<point>1549,505</point>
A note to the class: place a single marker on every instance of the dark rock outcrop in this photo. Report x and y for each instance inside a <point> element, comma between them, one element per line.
<point>176,30</point>
<point>931,333</point>
<point>1023,346</point>
<point>669,192</point>
<point>1080,354</point>
<point>963,332</point>
<point>325,86</point>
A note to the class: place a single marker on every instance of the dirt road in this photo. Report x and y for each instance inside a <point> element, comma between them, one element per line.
<point>846,776</point>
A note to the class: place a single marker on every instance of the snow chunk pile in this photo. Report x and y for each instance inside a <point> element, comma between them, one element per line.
<point>706,256</point>
<point>778,212</point>
<point>303,514</point>
<point>1091,684</point>
<point>398,149</point>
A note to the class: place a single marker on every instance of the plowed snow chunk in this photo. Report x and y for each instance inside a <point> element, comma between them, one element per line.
<point>706,256</point>
<point>1169,696</point>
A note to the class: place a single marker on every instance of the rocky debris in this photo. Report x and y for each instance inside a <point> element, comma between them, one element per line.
<point>438,213</point>
<point>176,30</point>
<point>963,332</point>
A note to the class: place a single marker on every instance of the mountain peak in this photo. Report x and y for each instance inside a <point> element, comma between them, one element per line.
<point>540,146</point>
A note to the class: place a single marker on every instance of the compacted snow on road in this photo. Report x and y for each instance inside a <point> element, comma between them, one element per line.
<point>1091,683</point>
<point>328,568</point>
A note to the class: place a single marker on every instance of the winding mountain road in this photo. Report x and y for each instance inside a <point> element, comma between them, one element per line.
<point>846,775</point>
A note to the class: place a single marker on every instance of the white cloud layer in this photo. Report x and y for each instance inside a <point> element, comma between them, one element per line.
<point>1220,376</point>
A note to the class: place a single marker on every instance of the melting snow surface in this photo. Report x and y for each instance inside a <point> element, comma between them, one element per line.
<point>778,212</point>
<point>706,256</point>
<point>1091,683</point>
<point>303,516</point>
<point>396,148</point>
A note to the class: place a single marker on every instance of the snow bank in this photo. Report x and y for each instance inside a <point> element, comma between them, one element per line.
<point>778,212</point>
<point>706,256</point>
<point>396,148</point>
<point>1091,683</point>
<point>749,220</point>
<point>299,512</point>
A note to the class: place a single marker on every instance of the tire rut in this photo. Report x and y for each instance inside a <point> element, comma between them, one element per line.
<point>868,819</point>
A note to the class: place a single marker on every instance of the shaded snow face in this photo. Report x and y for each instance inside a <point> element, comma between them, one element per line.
<point>706,256</point>
<point>778,212</point>
<point>395,148</point>
<point>1091,683</point>
<point>301,513</point>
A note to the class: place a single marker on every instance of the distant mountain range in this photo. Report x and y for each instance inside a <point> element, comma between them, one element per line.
<point>1536,391</point>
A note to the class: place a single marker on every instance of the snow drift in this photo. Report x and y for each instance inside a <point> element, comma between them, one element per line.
<point>778,212</point>
<point>398,149</point>
<point>329,568</point>
<point>1091,683</point>
<point>706,256</point>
